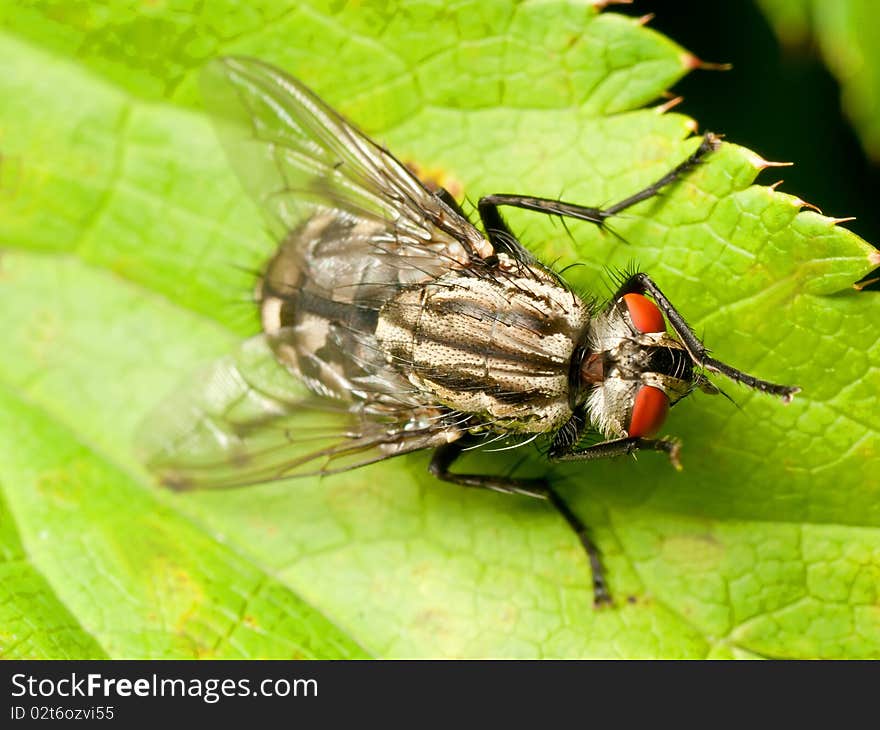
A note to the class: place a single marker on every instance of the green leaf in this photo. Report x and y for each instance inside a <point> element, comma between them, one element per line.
<point>848,36</point>
<point>126,238</point>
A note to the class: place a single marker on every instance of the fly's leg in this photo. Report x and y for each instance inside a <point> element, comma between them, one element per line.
<point>492,221</point>
<point>500,236</point>
<point>601,594</point>
<point>564,449</point>
<point>642,283</point>
<point>617,447</point>
<point>444,195</point>
<point>445,455</point>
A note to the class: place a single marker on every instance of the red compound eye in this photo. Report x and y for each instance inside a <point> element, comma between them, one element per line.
<point>649,411</point>
<point>644,313</point>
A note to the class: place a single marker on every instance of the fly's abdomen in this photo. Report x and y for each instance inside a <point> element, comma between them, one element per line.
<point>496,346</point>
<point>319,305</point>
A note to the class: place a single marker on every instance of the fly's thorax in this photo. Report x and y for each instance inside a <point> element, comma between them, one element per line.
<point>619,362</point>
<point>496,343</point>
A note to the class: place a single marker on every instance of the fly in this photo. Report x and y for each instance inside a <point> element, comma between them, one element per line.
<point>407,328</point>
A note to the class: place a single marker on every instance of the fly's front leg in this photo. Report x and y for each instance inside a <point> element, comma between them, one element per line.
<point>642,283</point>
<point>491,218</point>
<point>445,455</point>
<point>619,447</point>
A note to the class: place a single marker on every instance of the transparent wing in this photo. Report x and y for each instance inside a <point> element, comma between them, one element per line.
<point>298,158</point>
<point>245,420</point>
<point>353,226</point>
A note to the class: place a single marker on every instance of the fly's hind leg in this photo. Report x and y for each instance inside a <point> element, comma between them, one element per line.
<point>445,455</point>
<point>492,221</point>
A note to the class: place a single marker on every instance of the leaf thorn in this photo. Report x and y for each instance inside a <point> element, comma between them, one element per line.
<point>804,204</point>
<point>864,283</point>
<point>759,163</point>
<point>667,105</point>
<point>692,63</point>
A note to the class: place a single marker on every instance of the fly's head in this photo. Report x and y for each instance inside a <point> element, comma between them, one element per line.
<point>632,370</point>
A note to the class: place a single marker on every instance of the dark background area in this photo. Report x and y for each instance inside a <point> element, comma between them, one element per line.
<point>781,102</point>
